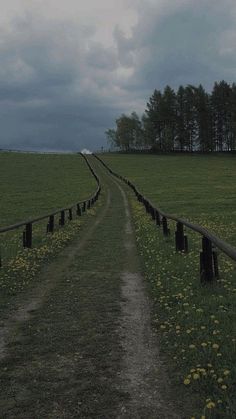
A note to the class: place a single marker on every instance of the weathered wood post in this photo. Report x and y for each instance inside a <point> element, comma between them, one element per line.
<point>70,216</point>
<point>153,213</point>
<point>206,261</point>
<point>50,226</point>
<point>165,228</point>
<point>27,236</point>
<point>215,263</point>
<point>158,218</point>
<point>181,241</point>
<point>147,206</point>
<point>79,212</point>
<point>84,206</point>
<point>62,219</point>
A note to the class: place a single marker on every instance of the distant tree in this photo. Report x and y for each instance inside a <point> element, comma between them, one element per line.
<point>181,135</point>
<point>203,119</point>
<point>148,138</point>
<point>233,118</point>
<point>189,120</point>
<point>153,124</point>
<point>221,113</point>
<point>169,119</point>
<point>128,134</point>
<point>111,137</point>
<point>137,131</point>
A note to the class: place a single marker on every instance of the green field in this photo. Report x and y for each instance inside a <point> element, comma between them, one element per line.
<point>201,188</point>
<point>195,322</point>
<point>34,184</point>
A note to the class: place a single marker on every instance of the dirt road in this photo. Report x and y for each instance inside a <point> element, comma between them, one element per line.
<point>80,345</point>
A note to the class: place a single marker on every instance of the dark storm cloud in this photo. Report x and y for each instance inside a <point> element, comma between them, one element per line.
<point>53,87</point>
<point>61,88</point>
<point>186,44</point>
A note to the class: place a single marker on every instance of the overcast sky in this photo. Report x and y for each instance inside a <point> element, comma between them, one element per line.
<point>68,68</point>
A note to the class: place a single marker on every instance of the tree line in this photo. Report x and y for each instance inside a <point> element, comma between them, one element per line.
<point>187,120</point>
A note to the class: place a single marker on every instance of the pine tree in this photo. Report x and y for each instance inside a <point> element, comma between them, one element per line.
<point>221,111</point>
<point>233,118</point>
<point>190,118</point>
<point>203,118</point>
<point>181,138</point>
<point>153,122</point>
<point>169,119</point>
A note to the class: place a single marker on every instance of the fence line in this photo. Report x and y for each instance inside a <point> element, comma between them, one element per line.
<point>208,256</point>
<point>80,206</point>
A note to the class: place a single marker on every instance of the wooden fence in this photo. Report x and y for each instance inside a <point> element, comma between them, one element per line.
<point>79,208</point>
<point>208,256</point>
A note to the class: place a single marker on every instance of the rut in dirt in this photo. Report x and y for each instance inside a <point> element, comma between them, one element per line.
<point>86,348</point>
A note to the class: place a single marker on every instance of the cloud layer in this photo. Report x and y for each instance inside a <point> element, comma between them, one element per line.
<point>68,69</point>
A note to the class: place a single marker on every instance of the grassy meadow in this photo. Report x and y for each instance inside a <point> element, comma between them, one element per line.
<point>201,188</point>
<point>195,323</point>
<point>33,185</point>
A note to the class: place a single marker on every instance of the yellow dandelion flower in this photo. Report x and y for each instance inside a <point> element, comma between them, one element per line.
<point>210,405</point>
<point>215,346</point>
<point>196,376</point>
<point>226,372</point>
<point>187,381</point>
<point>224,387</point>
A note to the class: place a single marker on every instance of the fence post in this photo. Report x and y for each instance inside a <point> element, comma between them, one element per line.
<point>70,217</point>
<point>89,204</point>
<point>146,203</point>
<point>206,261</point>
<point>181,241</point>
<point>166,230</point>
<point>50,226</point>
<point>158,219</point>
<point>215,262</point>
<point>62,219</point>
<point>27,236</point>
<point>84,206</point>
<point>152,213</point>
<point>79,210</point>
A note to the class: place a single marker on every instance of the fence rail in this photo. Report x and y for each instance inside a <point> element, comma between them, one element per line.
<point>80,207</point>
<point>208,256</point>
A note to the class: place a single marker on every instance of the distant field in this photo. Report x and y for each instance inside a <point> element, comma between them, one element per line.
<point>200,188</point>
<point>33,184</point>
